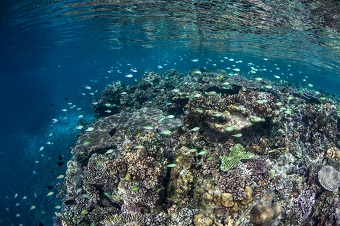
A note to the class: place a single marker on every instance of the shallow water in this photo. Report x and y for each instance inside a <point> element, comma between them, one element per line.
<point>59,55</point>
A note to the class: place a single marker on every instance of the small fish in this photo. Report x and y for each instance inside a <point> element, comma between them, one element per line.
<point>162,119</point>
<point>210,158</point>
<point>288,111</point>
<point>32,208</point>
<point>237,135</point>
<point>49,187</point>
<point>134,188</point>
<point>16,195</point>
<point>108,111</point>
<point>261,101</point>
<point>88,87</point>
<point>41,148</point>
<point>109,151</point>
<point>172,165</point>
<point>159,67</point>
<point>148,127</point>
<point>86,196</point>
<point>60,163</point>
<point>202,152</point>
<point>129,76</point>
<point>60,176</point>
<point>89,129</point>
<point>64,110</point>
<point>230,128</point>
<point>192,150</point>
<point>57,207</point>
<point>50,193</point>
<point>217,114</point>
<point>79,127</point>
<point>194,60</point>
<point>195,129</point>
<point>113,131</point>
<point>60,157</point>
<point>86,143</point>
<point>166,132</point>
<point>80,116</point>
<point>25,197</point>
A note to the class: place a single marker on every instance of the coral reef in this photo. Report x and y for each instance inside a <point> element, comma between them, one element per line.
<point>205,148</point>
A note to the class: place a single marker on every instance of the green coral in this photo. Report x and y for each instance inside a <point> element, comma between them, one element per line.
<point>236,154</point>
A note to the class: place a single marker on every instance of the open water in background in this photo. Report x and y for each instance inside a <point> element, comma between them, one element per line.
<point>51,50</point>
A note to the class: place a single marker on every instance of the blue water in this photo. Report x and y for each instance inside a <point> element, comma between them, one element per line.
<point>48,58</point>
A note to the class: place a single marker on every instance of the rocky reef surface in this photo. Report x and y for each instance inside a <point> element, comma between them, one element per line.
<point>206,148</point>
